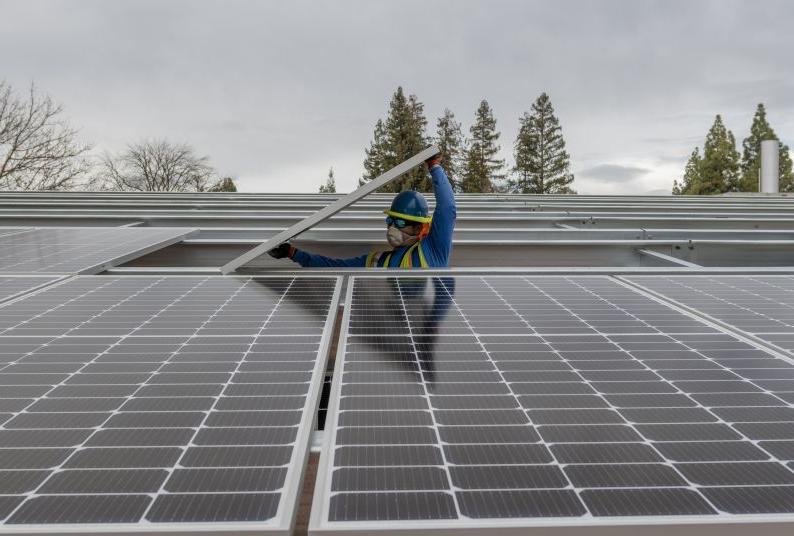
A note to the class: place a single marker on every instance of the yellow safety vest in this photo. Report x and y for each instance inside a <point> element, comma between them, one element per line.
<point>405,262</point>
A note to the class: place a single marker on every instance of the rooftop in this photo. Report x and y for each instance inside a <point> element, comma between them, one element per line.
<point>588,364</point>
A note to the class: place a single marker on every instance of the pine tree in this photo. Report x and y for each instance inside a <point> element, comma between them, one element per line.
<point>751,155</point>
<point>483,170</point>
<point>418,178</point>
<point>400,137</point>
<point>542,164</point>
<point>376,155</point>
<point>690,183</point>
<point>449,139</point>
<point>330,185</point>
<point>719,168</point>
<point>225,184</point>
<point>717,171</point>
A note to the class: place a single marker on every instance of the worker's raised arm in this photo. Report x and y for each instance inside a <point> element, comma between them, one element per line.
<point>309,260</point>
<point>439,240</point>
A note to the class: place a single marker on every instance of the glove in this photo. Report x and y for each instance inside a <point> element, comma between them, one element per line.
<point>282,250</point>
<point>433,160</point>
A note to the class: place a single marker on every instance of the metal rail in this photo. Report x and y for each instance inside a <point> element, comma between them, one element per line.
<point>331,209</point>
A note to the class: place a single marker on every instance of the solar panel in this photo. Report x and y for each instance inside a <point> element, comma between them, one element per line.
<point>759,305</point>
<point>160,403</point>
<point>81,249</point>
<point>12,286</point>
<point>485,403</point>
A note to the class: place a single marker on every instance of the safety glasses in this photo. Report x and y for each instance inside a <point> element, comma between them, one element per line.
<point>397,222</point>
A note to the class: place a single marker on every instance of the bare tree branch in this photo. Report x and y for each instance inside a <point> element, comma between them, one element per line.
<point>39,150</point>
<point>157,166</point>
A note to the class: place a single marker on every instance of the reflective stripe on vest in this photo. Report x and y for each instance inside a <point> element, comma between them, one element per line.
<point>422,260</point>
<point>407,260</point>
<point>374,259</point>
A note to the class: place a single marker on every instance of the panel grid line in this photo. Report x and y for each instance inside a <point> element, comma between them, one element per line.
<point>509,384</point>
<point>426,396</point>
<point>220,394</point>
<point>611,406</point>
<point>135,367</point>
<point>2,333</point>
<point>719,419</point>
<point>110,416</point>
<point>637,405</point>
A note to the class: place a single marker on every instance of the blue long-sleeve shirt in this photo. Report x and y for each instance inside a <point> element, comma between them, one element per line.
<point>436,246</point>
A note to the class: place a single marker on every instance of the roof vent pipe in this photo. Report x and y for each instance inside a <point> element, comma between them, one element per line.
<point>769,166</point>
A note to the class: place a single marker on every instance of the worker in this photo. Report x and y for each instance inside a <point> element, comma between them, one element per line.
<point>417,240</point>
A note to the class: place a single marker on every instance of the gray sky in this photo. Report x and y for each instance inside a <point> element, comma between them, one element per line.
<point>277,92</point>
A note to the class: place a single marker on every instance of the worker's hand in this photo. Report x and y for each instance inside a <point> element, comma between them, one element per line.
<point>433,160</point>
<point>282,250</point>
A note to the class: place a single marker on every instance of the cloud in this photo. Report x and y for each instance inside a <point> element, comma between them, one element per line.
<point>614,172</point>
<point>672,159</point>
<point>278,92</point>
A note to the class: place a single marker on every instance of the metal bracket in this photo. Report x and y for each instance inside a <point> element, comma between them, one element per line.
<point>316,441</point>
<point>667,258</point>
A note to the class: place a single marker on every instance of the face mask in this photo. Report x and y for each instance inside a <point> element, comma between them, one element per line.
<point>397,238</point>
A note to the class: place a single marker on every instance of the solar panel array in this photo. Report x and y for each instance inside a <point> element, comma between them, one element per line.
<point>12,286</point>
<point>760,305</point>
<point>485,402</point>
<point>159,401</point>
<point>79,249</point>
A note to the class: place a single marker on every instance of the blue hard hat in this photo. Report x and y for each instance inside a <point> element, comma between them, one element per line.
<point>411,206</point>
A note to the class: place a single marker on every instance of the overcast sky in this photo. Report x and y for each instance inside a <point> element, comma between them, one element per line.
<point>275,93</point>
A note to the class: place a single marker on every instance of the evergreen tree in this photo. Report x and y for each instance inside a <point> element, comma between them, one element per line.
<point>226,184</point>
<point>717,171</point>
<point>417,141</point>
<point>542,164</point>
<point>401,136</point>
<point>483,170</point>
<point>751,155</point>
<point>376,155</point>
<point>330,185</point>
<point>690,183</point>
<point>449,139</point>
<point>719,168</point>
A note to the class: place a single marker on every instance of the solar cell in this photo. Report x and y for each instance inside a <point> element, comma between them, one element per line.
<point>80,249</point>
<point>129,403</point>
<point>499,403</point>
<point>761,305</point>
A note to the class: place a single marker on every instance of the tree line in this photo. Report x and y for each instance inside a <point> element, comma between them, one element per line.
<point>40,150</point>
<point>720,168</point>
<point>542,165</point>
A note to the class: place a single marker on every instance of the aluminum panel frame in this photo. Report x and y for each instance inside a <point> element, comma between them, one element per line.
<point>46,281</point>
<point>331,209</point>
